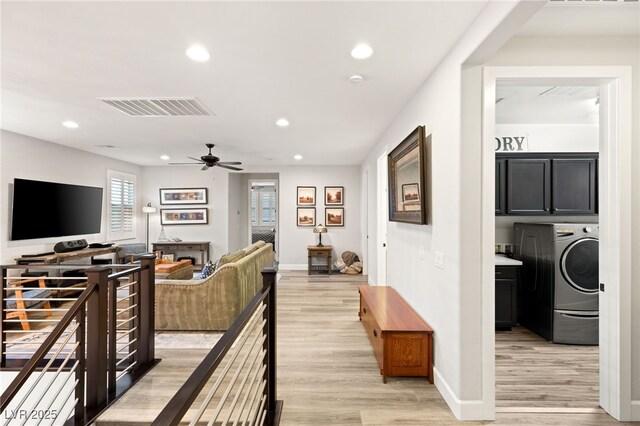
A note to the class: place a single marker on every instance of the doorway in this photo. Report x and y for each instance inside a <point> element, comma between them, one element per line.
<point>614,191</point>
<point>263,211</point>
<point>546,242</point>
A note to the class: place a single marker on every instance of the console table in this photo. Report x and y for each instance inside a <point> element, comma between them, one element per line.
<point>175,247</point>
<point>402,341</point>
<point>323,253</point>
<point>58,258</point>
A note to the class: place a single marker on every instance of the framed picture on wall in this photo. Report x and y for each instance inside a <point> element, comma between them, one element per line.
<point>169,196</point>
<point>407,179</point>
<point>334,216</point>
<point>306,216</point>
<point>334,195</point>
<point>306,196</point>
<point>197,216</point>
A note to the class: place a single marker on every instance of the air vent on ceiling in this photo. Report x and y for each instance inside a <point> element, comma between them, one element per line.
<point>565,91</point>
<point>157,107</point>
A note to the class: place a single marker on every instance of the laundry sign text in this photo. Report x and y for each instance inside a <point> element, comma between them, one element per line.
<point>510,143</point>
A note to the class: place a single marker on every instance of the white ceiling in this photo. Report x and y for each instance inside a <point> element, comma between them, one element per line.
<point>269,59</point>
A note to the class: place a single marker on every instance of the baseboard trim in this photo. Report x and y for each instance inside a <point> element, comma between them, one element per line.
<point>463,410</point>
<point>292,267</point>
<point>635,410</point>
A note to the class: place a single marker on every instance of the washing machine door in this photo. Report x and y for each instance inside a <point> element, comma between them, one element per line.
<point>579,265</point>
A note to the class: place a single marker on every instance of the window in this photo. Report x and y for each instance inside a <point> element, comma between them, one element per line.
<point>121,205</point>
<point>263,206</point>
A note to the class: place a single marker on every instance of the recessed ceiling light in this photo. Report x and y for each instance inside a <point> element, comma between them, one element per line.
<point>356,78</point>
<point>282,122</point>
<point>362,51</point>
<point>297,157</point>
<point>70,124</point>
<point>165,157</point>
<point>198,53</point>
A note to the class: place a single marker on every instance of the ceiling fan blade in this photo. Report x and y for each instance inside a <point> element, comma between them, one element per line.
<point>230,163</point>
<point>186,163</point>
<point>197,159</point>
<point>228,167</point>
<point>205,167</point>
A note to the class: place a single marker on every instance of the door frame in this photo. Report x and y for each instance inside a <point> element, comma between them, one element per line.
<point>615,193</point>
<point>250,183</point>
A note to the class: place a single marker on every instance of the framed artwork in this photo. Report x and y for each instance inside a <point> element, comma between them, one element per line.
<point>334,216</point>
<point>169,196</point>
<point>306,196</point>
<point>407,179</point>
<point>334,195</point>
<point>168,256</point>
<point>306,216</point>
<point>197,216</point>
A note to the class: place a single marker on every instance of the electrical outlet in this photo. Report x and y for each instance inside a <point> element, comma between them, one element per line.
<point>439,259</point>
<point>421,252</point>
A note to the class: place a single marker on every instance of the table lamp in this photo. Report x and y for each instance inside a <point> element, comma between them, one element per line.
<point>320,229</point>
<point>148,209</point>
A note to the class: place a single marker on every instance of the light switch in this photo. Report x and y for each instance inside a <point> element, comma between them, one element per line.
<point>439,259</point>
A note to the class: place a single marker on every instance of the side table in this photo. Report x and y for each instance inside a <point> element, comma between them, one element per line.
<point>319,259</point>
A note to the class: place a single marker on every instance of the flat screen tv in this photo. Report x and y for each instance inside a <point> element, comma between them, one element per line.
<point>49,209</point>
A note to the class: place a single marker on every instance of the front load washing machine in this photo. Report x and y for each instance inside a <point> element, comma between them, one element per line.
<point>558,293</point>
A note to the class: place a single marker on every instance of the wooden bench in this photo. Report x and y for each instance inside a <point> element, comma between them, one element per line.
<point>402,341</point>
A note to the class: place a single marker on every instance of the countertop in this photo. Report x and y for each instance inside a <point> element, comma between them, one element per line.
<point>502,260</point>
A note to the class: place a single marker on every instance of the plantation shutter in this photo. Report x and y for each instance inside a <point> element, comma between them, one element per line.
<point>268,204</point>
<point>122,188</point>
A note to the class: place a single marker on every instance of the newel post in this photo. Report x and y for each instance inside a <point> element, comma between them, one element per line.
<point>97,338</point>
<point>147,309</point>
<point>269,284</point>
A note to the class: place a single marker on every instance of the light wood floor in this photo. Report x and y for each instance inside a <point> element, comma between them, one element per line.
<point>327,373</point>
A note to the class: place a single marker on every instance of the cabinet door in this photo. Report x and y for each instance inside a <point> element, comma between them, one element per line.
<point>501,186</point>
<point>574,186</point>
<point>528,186</point>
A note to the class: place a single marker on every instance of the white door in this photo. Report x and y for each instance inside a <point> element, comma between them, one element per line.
<point>365,221</point>
<point>383,217</point>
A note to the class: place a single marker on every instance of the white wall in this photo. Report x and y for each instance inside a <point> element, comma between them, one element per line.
<point>237,227</point>
<point>552,137</point>
<point>216,181</point>
<point>450,305</point>
<point>29,158</point>
<point>597,51</point>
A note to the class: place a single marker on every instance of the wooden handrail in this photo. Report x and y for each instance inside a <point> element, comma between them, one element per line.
<point>42,351</point>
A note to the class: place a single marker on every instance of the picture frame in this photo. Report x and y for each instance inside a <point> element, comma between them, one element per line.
<point>306,195</point>
<point>169,256</point>
<point>173,196</point>
<point>306,216</point>
<point>189,216</point>
<point>407,179</point>
<point>334,216</point>
<point>334,195</point>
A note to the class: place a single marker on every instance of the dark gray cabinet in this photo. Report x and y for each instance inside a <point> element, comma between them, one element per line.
<point>574,186</point>
<point>506,297</point>
<point>528,186</point>
<point>546,183</point>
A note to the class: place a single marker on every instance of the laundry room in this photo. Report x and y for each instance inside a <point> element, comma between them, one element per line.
<point>546,245</point>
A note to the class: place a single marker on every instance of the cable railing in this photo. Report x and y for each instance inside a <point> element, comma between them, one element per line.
<point>236,382</point>
<point>68,369</point>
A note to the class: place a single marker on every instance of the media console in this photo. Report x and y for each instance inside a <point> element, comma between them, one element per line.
<point>58,258</point>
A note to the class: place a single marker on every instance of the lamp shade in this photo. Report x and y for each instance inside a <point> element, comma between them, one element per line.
<point>320,229</point>
<point>149,209</point>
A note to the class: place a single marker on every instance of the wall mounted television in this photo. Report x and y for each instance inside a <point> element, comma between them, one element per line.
<point>48,209</point>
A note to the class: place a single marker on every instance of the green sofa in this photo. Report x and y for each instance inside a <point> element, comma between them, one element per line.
<point>215,302</point>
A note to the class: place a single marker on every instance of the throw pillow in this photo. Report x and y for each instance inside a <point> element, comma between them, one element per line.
<point>207,270</point>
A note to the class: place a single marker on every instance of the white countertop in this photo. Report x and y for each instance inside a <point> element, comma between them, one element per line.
<point>502,260</point>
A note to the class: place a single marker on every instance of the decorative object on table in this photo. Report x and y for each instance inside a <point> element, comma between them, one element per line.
<point>189,216</point>
<point>210,160</point>
<point>169,256</point>
<point>306,216</point>
<point>147,210</point>
<point>334,195</point>
<point>162,237</point>
<point>348,263</point>
<point>407,179</point>
<point>306,196</point>
<point>334,216</point>
<point>169,196</point>
<point>320,229</point>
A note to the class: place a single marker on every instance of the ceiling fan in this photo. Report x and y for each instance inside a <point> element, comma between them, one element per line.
<point>210,160</point>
